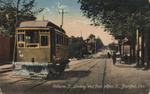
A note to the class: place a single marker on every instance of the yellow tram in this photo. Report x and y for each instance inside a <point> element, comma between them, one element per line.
<point>42,48</point>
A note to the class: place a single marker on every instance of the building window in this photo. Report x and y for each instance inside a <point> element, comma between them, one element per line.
<point>44,40</point>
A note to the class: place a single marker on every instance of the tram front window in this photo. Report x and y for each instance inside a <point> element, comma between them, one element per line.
<point>20,37</point>
<point>20,40</point>
<point>32,38</point>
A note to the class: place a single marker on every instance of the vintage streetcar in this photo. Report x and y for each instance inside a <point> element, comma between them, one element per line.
<point>42,49</point>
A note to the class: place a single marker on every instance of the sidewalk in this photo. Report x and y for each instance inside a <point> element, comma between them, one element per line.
<point>5,67</point>
<point>127,75</point>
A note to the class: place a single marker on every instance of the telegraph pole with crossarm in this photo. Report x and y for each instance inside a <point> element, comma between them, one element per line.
<point>62,16</point>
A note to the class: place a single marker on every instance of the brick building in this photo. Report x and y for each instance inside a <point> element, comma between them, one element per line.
<point>6,47</point>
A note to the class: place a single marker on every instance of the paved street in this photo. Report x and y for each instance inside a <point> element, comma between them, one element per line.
<point>82,76</point>
<point>126,79</point>
<point>87,76</point>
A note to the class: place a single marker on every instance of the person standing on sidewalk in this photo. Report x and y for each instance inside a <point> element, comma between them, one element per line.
<point>114,57</point>
<point>108,54</point>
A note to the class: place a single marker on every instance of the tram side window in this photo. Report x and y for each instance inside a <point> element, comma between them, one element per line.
<point>62,40</point>
<point>66,42</point>
<point>44,40</point>
<point>58,39</point>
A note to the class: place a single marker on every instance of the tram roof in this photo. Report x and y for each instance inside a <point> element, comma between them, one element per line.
<point>39,24</point>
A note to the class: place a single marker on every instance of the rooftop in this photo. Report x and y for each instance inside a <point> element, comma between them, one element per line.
<point>39,24</point>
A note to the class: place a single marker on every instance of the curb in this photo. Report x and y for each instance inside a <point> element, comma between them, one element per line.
<point>6,68</point>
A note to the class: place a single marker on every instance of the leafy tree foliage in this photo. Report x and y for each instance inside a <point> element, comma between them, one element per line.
<point>115,15</point>
<point>77,47</point>
<point>112,46</point>
<point>8,12</point>
<point>99,44</point>
<point>93,44</point>
<point>120,17</point>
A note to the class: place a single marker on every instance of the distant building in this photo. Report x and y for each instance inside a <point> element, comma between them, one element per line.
<point>91,44</point>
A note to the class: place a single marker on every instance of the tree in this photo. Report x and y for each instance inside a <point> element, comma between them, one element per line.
<point>99,44</point>
<point>120,17</point>
<point>77,47</point>
<point>93,44</point>
<point>10,9</point>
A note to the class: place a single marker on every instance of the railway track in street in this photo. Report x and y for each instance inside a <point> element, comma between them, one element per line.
<point>42,82</point>
<point>104,75</point>
<point>28,85</point>
<point>26,79</point>
<point>81,64</point>
<point>67,91</point>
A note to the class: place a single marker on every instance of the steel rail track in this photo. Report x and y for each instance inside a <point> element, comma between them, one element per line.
<point>74,83</point>
<point>45,81</point>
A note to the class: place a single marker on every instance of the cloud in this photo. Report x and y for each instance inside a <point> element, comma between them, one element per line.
<point>45,14</point>
<point>77,19</point>
<point>47,9</point>
<point>82,22</point>
<point>61,6</point>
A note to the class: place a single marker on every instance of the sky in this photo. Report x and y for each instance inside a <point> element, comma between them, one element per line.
<point>75,24</point>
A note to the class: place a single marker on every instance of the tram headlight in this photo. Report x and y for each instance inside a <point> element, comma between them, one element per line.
<point>19,52</point>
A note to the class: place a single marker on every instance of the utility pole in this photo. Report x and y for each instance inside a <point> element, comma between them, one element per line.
<point>138,47</point>
<point>43,18</point>
<point>14,51</point>
<point>17,11</point>
<point>62,16</point>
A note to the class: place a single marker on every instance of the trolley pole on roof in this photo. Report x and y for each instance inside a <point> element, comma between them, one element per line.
<point>62,16</point>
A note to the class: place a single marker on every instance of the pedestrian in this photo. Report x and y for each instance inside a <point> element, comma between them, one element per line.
<point>108,54</point>
<point>114,58</point>
<point>125,58</point>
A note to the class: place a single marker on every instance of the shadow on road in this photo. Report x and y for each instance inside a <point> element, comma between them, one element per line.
<point>72,74</point>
